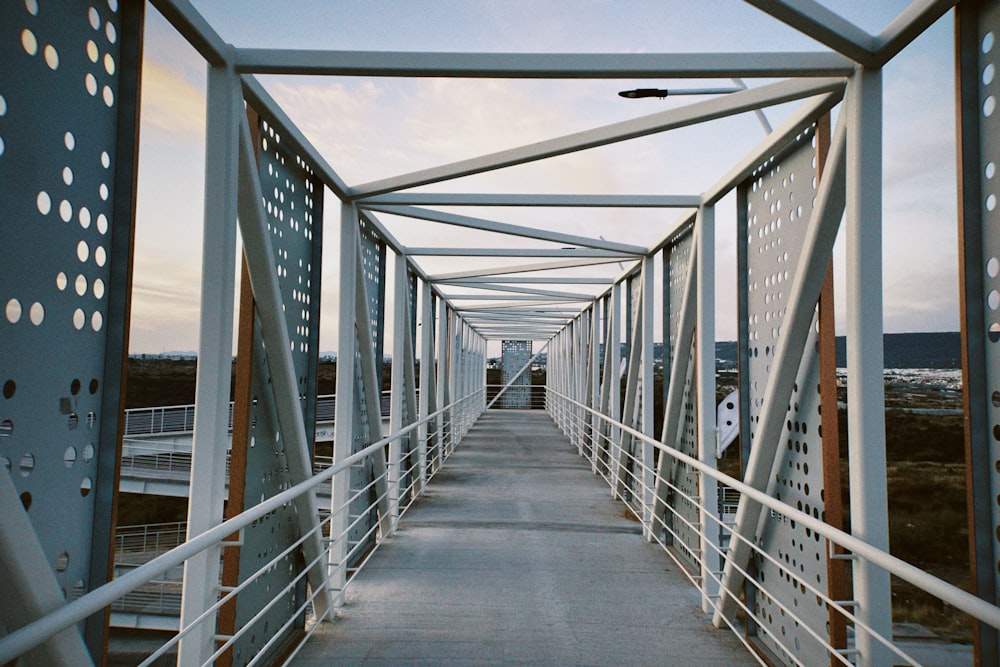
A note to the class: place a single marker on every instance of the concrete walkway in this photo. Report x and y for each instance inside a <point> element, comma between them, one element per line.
<point>518,555</point>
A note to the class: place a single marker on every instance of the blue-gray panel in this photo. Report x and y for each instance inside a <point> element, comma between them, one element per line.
<point>66,167</point>
<point>293,202</point>
<point>779,198</point>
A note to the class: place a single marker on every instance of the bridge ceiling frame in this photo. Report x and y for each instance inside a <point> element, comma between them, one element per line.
<point>560,294</point>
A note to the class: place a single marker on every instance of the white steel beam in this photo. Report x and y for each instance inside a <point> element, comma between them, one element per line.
<point>530,280</point>
<point>496,287</point>
<point>699,112</point>
<point>541,65</point>
<point>517,252</point>
<point>543,200</point>
<point>910,22</point>
<point>646,416</point>
<point>803,295</point>
<point>400,333</point>
<point>866,385</point>
<point>196,30</point>
<point>428,393</point>
<point>523,268</point>
<point>704,246</point>
<point>215,357</point>
<point>284,385</point>
<point>504,228</point>
<point>826,27</point>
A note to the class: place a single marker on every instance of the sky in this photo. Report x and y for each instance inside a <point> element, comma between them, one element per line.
<point>371,128</point>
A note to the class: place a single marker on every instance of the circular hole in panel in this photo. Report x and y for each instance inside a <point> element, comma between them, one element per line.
<point>988,73</point>
<point>43,202</point>
<point>993,300</point>
<point>103,191</point>
<point>79,319</point>
<point>26,501</point>
<point>91,419</point>
<point>97,321</point>
<point>85,486</point>
<point>31,6</point>
<point>73,421</point>
<point>69,140</point>
<point>99,288</point>
<point>61,281</point>
<point>92,52</point>
<point>102,223</point>
<point>988,42</point>
<point>51,57</point>
<point>1,146</point>
<point>100,255</point>
<point>3,106</point>
<point>62,561</point>
<point>996,399</point>
<point>991,202</point>
<point>88,453</point>
<point>94,384</point>
<point>989,105</point>
<point>109,96</point>
<point>113,5</point>
<point>991,169</point>
<point>5,462</point>
<point>110,33</point>
<point>36,313</point>
<point>65,211</point>
<point>29,42</point>
<point>6,428</point>
<point>9,388</point>
<point>67,175</point>
<point>993,267</point>
<point>105,159</point>
<point>69,457</point>
<point>82,251</point>
<point>13,311</point>
<point>74,386</point>
<point>27,464</point>
<point>81,284</point>
<point>91,83</point>
<point>95,18</point>
<point>109,62</point>
<point>84,217</point>
<point>79,588</point>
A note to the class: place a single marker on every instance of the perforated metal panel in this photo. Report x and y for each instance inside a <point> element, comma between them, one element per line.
<point>66,146</point>
<point>293,203</point>
<point>514,355</point>
<point>373,268</point>
<point>683,516</point>
<point>779,199</point>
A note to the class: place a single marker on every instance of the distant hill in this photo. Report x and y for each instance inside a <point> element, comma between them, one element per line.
<point>940,350</point>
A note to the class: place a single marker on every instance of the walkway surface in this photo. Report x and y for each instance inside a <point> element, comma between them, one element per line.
<point>517,554</point>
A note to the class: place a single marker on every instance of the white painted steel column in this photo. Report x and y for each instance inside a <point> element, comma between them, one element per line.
<point>443,375</point>
<point>705,382</point>
<point>426,378</point>
<point>865,382</point>
<point>594,400</point>
<point>344,417</point>
<point>215,358</point>
<point>400,330</point>
<point>646,414</point>
<point>615,352</point>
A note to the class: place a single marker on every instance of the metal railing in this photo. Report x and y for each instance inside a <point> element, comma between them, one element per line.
<point>145,585</point>
<point>517,397</point>
<point>630,478</point>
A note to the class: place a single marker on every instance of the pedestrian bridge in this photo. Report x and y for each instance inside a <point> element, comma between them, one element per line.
<point>465,529</point>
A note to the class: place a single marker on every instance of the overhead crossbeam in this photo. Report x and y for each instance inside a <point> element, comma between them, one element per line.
<point>575,296</point>
<point>531,280</point>
<point>504,228</point>
<point>515,252</point>
<point>692,114</point>
<point>540,65</point>
<point>533,200</point>
<point>524,268</point>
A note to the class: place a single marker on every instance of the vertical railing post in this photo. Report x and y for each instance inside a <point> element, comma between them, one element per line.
<point>400,329</point>
<point>865,386</point>
<point>646,416</point>
<point>706,410</point>
<point>614,352</point>
<point>344,417</point>
<point>426,379</point>
<point>594,400</point>
<point>215,357</point>
<point>442,380</point>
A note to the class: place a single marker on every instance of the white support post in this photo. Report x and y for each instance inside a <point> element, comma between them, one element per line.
<point>215,358</point>
<point>865,386</point>
<point>442,379</point>
<point>614,352</point>
<point>344,418</point>
<point>646,415</point>
<point>400,332</point>
<point>427,392</point>
<point>705,384</point>
<point>626,443</point>
<point>594,399</point>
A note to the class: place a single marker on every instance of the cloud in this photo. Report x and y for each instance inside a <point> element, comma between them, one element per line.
<point>170,101</point>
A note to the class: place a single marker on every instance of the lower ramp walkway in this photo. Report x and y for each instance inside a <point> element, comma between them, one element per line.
<point>517,554</point>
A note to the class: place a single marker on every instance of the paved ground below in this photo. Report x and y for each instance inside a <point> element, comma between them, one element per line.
<point>517,554</point>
